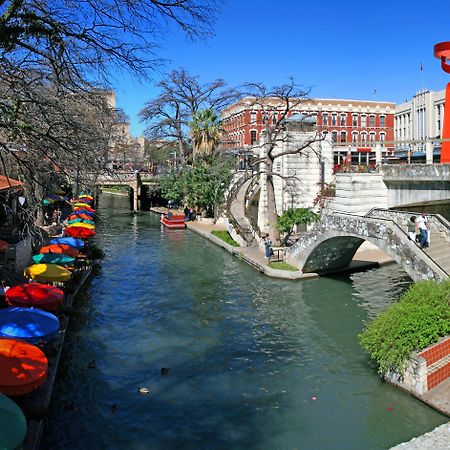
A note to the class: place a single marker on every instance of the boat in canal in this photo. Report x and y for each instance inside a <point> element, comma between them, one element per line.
<point>171,220</point>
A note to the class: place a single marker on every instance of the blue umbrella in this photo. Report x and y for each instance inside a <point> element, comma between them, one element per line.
<point>82,211</point>
<point>73,242</point>
<point>52,258</point>
<point>29,324</point>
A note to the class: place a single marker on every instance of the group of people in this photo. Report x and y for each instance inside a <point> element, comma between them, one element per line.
<point>418,230</point>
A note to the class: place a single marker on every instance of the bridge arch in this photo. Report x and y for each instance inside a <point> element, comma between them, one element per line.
<point>334,241</point>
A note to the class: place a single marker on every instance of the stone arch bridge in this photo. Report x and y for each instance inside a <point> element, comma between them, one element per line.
<point>135,180</point>
<point>333,242</point>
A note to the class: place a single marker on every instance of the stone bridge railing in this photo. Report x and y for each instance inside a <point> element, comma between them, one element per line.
<point>126,178</point>
<point>333,241</point>
<point>436,223</point>
<point>431,172</point>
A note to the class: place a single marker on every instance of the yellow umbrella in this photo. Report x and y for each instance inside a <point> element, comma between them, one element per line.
<point>81,225</point>
<point>47,272</point>
<point>81,204</point>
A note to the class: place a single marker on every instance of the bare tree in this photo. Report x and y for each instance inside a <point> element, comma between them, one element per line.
<point>169,115</point>
<point>277,104</point>
<point>53,55</point>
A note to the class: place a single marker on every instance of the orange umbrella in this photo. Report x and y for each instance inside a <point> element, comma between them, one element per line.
<point>23,367</point>
<point>3,246</point>
<point>79,232</point>
<point>61,248</point>
<point>79,216</point>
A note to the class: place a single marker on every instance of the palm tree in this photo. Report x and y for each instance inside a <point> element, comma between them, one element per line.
<point>205,130</point>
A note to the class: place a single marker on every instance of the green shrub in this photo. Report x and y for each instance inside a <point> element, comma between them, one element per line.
<point>225,236</point>
<point>421,316</point>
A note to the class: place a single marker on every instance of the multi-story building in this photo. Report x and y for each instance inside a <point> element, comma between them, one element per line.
<point>355,123</point>
<point>420,118</point>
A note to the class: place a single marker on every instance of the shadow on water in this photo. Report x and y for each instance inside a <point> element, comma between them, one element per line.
<point>255,363</point>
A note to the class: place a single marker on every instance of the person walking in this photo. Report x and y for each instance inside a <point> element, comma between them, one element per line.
<point>422,230</point>
<point>267,248</point>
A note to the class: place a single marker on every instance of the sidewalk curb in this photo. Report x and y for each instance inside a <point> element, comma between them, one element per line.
<point>238,252</point>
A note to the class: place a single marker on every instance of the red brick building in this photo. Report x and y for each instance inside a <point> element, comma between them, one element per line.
<point>355,123</point>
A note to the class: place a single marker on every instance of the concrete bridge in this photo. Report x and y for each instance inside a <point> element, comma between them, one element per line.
<point>135,180</point>
<point>333,242</point>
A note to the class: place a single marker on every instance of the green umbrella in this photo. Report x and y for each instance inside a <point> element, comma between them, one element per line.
<point>70,222</point>
<point>13,425</point>
<point>52,258</point>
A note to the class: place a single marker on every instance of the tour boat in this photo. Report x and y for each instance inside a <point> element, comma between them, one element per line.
<point>173,221</point>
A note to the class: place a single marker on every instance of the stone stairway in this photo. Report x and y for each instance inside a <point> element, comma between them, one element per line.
<point>439,251</point>
<point>237,210</point>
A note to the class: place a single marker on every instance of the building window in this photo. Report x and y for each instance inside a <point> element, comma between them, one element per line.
<point>253,117</point>
<point>382,121</point>
<point>343,120</point>
<point>252,137</point>
<point>354,136</point>
<point>334,119</point>
<point>274,118</point>
<point>364,121</point>
<point>325,119</point>
<point>363,137</point>
<point>382,137</point>
<point>371,120</point>
<point>372,136</point>
<point>343,136</point>
<point>334,136</point>
<point>355,120</point>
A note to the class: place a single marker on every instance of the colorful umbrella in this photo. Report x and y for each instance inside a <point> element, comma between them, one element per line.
<point>23,367</point>
<point>70,222</point>
<point>79,216</point>
<point>73,242</point>
<point>38,295</point>
<point>79,232</point>
<point>48,201</point>
<point>53,258</point>
<point>82,225</point>
<point>85,210</point>
<point>60,248</point>
<point>47,272</point>
<point>85,196</point>
<point>29,324</point>
<point>13,425</point>
<point>3,246</point>
<point>82,205</point>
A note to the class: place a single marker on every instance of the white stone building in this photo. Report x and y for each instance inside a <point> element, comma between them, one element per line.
<point>298,177</point>
<point>420,118</point>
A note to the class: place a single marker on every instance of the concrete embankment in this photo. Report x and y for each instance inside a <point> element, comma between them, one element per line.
<point>438,439</point>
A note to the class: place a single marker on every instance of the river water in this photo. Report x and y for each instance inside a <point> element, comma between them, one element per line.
<point>255,363</point>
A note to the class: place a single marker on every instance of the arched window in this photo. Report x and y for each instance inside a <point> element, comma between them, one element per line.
<point>253,136</point>
<point>334,136</point>
<point>372,136</point>
<point>363,137</point>
<point>354,136</point>
<point>343,120</point>
<point>253,117</point>
<point>355,120</point>
<point>343,136</point>
<point>382,137</point>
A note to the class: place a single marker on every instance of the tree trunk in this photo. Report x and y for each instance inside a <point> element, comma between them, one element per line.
<point>272,215</point>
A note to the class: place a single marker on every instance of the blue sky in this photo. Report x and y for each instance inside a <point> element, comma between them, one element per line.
<point>339,49</point>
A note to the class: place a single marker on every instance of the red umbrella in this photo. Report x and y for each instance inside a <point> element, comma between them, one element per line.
<point>37,295</point>
<point>23,367</point>
<point>3,246</point>
<point>60,248</point>
<point>86,208</point>
<point>78,232</point>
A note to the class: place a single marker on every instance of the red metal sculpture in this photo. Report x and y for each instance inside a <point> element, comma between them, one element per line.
<point>442,51</point>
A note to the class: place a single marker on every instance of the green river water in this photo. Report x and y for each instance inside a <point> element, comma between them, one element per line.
<point>255,363</point>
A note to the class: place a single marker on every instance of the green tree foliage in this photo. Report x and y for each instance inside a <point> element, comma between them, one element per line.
<point>205,130</point>
<point>200,186</point>
<point>295,216</point>
<point>420,317</point>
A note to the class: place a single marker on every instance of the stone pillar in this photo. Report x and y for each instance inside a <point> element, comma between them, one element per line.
<point>429,147</point>
<point>378,155</point>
